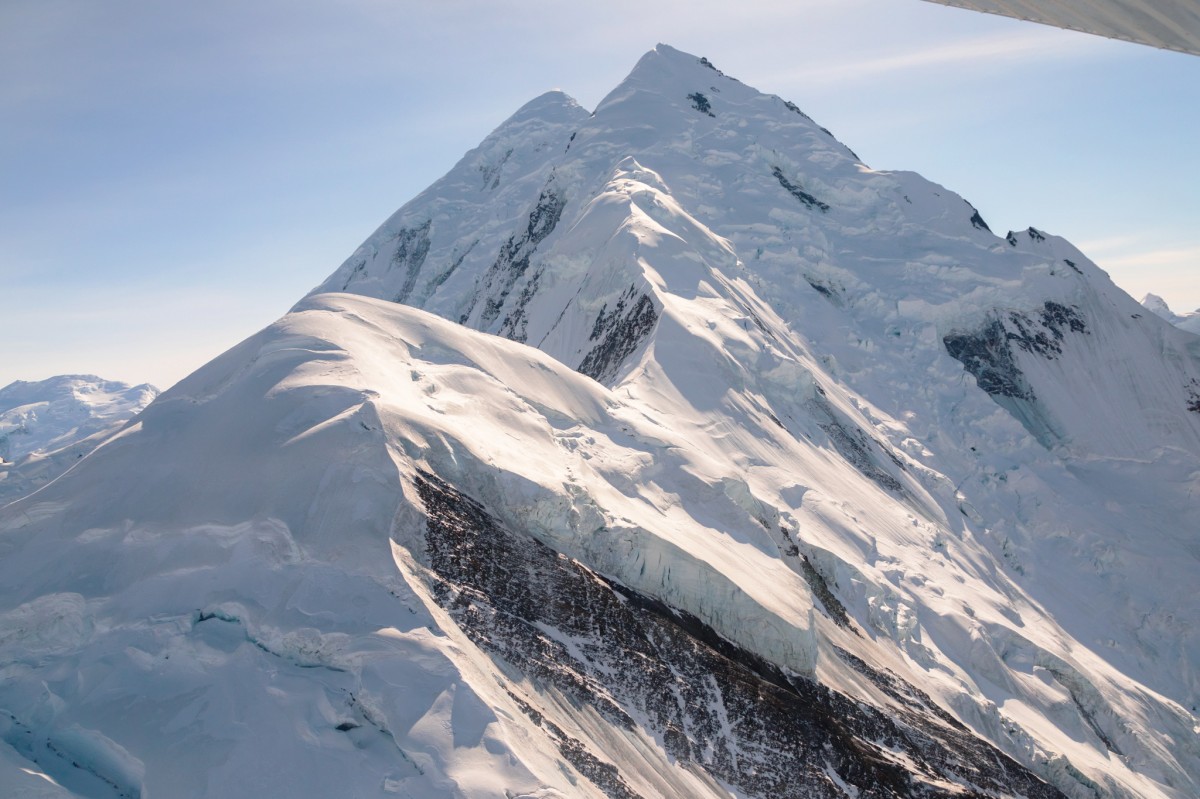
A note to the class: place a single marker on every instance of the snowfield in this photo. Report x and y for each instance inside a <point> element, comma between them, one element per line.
<point>666,451</point>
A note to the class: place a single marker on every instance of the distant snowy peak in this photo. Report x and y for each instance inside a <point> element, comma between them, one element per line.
<point>42,416</point>
<point>47,425</point>
<point>1158,306</point>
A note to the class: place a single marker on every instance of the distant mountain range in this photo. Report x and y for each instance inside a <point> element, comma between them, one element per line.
<point>45,426</point>
<point>1158,306</point>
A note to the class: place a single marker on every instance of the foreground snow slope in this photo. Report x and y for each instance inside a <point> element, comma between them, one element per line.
<point>782,477</point>
<point>274,582</point>
<point>45,426</point>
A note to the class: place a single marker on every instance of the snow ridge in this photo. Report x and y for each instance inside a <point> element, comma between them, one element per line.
<point>679,388</point>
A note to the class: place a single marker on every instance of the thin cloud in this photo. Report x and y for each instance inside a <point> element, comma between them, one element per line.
<point>1097,247</point>
<point>1182,256</point>
<point>1024,46</point>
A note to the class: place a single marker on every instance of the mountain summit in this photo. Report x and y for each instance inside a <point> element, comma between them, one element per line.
<point>663,451</point>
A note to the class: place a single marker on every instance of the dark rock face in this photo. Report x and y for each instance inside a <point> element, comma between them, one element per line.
<point>854,448</point>
<point>978,222</point>
<point>820,587</point>
<point>701,104</point>
<point>513,259</point>
<point>618,332</point>
<point>410,256</point>
<point>800,194</point>
<point>712,705</point>
<point>988,354</point>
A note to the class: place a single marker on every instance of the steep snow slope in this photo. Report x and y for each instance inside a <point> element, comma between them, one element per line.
<point>815,488</point>
<point>45,426</point>
<point>304,601</point>
<point>699,243</point>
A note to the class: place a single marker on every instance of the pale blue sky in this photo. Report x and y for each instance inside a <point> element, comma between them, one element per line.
<point>173,176</point>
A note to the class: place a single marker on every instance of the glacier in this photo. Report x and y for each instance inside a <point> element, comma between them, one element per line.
<point>661,450</point>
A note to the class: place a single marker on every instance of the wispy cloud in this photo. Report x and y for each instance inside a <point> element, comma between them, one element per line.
<point>1024,46</point>
<point>1172,272</point>
<point>1095,248</point>
<point>1180,256</point>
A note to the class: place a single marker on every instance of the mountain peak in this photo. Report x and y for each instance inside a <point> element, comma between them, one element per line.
<point>666,70</point>
<point>555,106</point>
<point>665,451</point>
<point>1159,307</point>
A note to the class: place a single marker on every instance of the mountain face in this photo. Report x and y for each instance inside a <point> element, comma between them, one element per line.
<point>46,426</point>
<point>662,451</point>
<point>1158,306</point>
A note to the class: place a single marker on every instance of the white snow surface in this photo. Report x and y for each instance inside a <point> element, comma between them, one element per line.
<point>1158,306</point>
<point>196,607</point>
<point>46,425</point>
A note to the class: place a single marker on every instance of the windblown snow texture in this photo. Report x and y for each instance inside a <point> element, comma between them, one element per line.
<point>663,451</point>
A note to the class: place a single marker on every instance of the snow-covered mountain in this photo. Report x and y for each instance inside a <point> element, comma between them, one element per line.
<point>46,425</point>
<point>1158,306</point>
<point>662,451</point>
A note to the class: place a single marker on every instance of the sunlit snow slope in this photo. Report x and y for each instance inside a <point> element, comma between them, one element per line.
<point>671,452</point>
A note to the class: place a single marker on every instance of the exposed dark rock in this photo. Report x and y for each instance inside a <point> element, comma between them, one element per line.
<point>825,291</point>
<point>1193,402</point>
<point>706,63</point>
<point>701,104</point>
<point>1055,316</point>
<point>795,109</point>
<point>513,259</point>
<point>907,695</point>
<point>411,248</point>
<point>800,194</point>
<point>618,332</point>
<point>854,448</point>
<point>514,325</point>
<point>986,354</point>
<point>712,704</point>
<point>1072,686</point>
<point>605,776</point>
<point>358,269</point>
<point>978,222</point>
<point>1011,238</point>
<point>1071,264</point>
<point>833,606</point>
<point>491,173</point>
<point>443,276</point>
